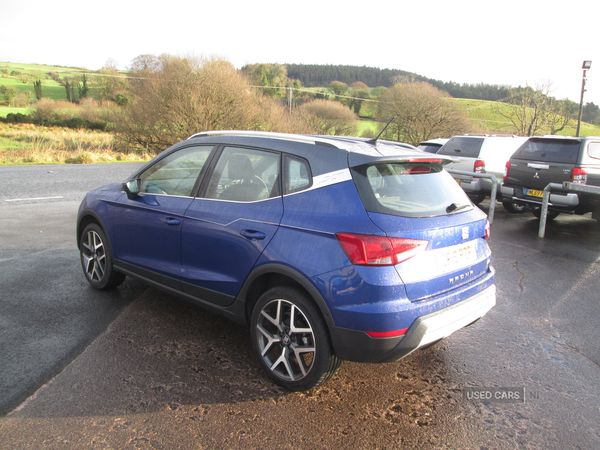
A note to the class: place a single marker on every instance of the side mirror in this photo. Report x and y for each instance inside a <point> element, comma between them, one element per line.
<point>132,188</point>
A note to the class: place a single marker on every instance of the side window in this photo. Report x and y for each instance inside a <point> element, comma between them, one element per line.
<point>175,174</point>
<point>245,175</point>
<point>594,150</point>
<point>298,175</point>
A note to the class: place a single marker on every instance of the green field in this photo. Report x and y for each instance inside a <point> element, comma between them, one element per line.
<point>27,73</point>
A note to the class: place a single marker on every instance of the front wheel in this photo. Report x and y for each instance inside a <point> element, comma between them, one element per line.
<point>290,340</point>
<point>96,259</point>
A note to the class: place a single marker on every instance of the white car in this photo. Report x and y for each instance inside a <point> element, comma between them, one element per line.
<point>432,145</point>
<point>484,154</point>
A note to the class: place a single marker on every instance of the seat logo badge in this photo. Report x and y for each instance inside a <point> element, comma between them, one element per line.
<point>462,276</point>
<point>465,233</point>
<point>536,175</point>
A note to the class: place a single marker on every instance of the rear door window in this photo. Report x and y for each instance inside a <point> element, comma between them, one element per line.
<point>551,150</point>
<point>245,175</point>
<point>409,189</point>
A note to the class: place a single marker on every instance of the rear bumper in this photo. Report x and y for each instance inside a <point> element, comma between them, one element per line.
<point>563,200</point>
<point>357,346</point>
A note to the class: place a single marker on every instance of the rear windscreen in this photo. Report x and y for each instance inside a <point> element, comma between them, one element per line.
<point>409,189</point>
<point>462,146</point>
<point>555,150</point>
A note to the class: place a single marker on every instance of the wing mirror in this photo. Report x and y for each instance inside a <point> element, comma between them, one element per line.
<point>132,188</point>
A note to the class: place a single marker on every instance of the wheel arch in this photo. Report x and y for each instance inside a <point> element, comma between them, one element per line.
<point>271,275</point>
<point>85,218</point>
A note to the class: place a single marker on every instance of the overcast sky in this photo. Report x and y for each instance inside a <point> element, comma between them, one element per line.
<point>512,42</point>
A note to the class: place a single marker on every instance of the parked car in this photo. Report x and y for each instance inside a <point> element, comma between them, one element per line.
<point>328,248</point>
<point>432,145</point>
<point>483,154</point>
<point>554,159</point>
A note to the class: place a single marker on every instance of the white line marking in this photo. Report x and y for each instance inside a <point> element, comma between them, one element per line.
<point>27,199</point>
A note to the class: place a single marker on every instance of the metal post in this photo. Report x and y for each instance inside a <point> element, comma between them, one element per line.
<point>544,211</point>
<point>585,67</point>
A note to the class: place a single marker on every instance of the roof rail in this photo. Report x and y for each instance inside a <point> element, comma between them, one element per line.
<point>272,135</point>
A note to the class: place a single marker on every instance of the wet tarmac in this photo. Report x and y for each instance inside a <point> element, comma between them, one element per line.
<point>168,375</point>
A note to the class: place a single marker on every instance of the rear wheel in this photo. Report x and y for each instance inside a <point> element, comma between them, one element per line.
<point>97,259</point>
<point>290,340</point>
<point>550,216</point>
<point>513,207</point>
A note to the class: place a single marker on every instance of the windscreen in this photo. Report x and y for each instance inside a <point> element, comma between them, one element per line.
<point>462,146</point>
<point>409,189</point>
<point>551,150</point>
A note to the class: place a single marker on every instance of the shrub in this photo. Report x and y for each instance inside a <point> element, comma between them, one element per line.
<point>22,100</point>
<point>18,118</point>
<point>329,117</point>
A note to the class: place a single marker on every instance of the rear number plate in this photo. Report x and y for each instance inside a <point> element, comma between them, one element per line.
<point>534,193</point>
<point>453,258</point>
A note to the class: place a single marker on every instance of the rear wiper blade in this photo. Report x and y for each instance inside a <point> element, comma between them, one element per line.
<point>453,207</point>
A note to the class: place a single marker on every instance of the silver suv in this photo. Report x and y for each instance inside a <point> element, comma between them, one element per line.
<point>480,153</point>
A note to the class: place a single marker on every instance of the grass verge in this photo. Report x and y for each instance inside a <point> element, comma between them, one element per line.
<point>32,144</point>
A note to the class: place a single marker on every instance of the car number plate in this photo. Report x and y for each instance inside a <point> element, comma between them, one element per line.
<point>455,257</point>
<point>458,181</point>
<point>534,193</point>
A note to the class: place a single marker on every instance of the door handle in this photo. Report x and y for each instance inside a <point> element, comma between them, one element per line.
<point>172,221</point>
<point>253,235</point>
<point>538,166</point>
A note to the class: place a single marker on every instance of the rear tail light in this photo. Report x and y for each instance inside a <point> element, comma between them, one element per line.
<point>579,175</point>
<point>480,166</point>
<point>368,250</point>
<point>487,229</point>
<point>506,167</point>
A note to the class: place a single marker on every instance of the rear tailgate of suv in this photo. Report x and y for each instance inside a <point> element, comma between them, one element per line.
<point>422,202</point>
<point>457,253</point>
<point>463,151</point>
<point>541,161</point>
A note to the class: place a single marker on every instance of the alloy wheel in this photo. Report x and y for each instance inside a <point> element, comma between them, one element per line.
<point>286,340</point>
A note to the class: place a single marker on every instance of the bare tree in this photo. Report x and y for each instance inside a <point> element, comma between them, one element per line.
<point>532,111</point>
<point>420,112</point>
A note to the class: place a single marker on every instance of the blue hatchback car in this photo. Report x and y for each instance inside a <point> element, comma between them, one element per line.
<point>328,248</point>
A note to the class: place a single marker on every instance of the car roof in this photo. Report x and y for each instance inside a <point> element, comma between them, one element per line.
<point>554,136</point>
<point>436,141</point>
<point>325,153</point>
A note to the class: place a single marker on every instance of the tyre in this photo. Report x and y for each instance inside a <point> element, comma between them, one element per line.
<point>513,207</point>
<point>477,198</point>
<point>550,216</point>
<point>97,259</point>
<point>291,341</point>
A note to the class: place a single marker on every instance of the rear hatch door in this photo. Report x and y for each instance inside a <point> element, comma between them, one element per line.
<point>457,253</point>
<point>420,200</point>
<point>541,161</point>
<point>463,151</point>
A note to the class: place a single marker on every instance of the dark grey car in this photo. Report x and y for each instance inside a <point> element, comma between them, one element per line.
<point>554,159</point>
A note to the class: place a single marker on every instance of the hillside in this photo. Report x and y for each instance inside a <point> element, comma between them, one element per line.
<point>482,113</point>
